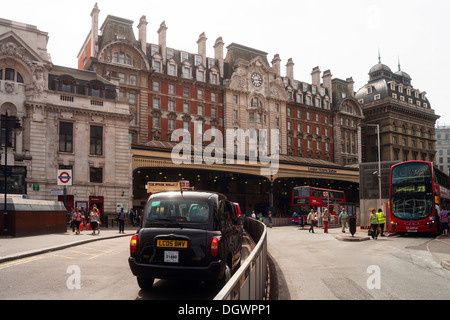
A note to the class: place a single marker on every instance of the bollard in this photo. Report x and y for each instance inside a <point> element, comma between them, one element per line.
<point>352,225</point>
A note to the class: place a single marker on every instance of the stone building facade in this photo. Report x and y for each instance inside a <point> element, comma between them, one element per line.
<point>404,114</point>
<point>239,90</point>
<point>443,147</point>
<point>70,119</point>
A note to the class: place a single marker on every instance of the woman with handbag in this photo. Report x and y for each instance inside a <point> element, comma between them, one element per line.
<point>374,224</point>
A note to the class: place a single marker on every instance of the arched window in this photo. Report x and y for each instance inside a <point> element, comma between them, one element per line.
<point>255,103</point>
<point>10,75</point>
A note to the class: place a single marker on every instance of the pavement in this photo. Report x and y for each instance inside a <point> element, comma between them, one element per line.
<point>440,249</point>
<point>21,247</point>
<point>13,248</point>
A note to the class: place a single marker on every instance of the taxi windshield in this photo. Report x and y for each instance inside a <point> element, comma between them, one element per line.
<point>177,210</point>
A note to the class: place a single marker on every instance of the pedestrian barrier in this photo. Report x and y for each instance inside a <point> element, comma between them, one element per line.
<point>250,281</point>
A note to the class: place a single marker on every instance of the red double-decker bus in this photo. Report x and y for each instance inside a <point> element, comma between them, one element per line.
<point>417,188</point>
<point>306,198</point>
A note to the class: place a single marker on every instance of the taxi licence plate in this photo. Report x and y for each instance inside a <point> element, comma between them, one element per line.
<point>171,256</point>
<point>171,243</point>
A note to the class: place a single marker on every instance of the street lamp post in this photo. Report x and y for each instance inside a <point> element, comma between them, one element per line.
<point>15,124</point>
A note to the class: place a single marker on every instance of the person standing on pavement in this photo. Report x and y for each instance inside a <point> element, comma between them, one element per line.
<point>381,220</point>
<point>99,216</point>
<point>269,219</point>
<point>326,218</point>
<point>374,223</point>
<point>131,214</point>
<point>94,217</point>
<point>76,220</point>
<point>344,217</point>
<point>311,219</point>
<point>443,216</point>
<point>121,220</point>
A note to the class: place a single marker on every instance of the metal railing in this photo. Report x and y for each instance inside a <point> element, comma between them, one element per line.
<point>251,280</point>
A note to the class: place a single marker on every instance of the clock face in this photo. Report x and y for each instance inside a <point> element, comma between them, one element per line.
<point>256,79</point>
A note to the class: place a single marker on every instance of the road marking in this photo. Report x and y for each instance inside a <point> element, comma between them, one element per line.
<point>19,262</point>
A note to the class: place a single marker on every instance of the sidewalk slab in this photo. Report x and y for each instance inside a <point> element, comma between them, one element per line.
<point>13,248</point>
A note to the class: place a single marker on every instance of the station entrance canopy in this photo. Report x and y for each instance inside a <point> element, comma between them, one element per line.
<point>157,154</point>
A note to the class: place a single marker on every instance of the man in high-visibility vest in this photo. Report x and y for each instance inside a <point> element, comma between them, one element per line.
<point>381,220</point>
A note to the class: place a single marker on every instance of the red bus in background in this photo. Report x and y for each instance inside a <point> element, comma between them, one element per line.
<point>306,198</point>
<point>417,188</point>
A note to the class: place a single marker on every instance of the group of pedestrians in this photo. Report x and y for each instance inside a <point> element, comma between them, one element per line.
<point>377,222</point>
<point>314,216</point>
<point>85,216</point>
<point>260,217</point>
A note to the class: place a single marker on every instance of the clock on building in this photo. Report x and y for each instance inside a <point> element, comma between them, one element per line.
<point>256,79</point>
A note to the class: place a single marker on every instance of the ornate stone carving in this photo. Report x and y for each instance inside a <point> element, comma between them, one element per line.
<point>39,79</point>
<point>12,50</point>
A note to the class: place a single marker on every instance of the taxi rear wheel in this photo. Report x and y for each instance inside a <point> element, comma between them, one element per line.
<point>145,283</point>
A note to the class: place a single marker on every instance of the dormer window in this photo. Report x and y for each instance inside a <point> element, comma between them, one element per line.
<point>184,56</point>
<point>155,49</point>
<point>172,69</point>
<point>198,60</point>
<point>170,53</point>
<point>186,72</point>
<point>200,75</point>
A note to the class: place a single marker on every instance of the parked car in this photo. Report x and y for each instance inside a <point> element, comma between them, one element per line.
<point>186,235</point>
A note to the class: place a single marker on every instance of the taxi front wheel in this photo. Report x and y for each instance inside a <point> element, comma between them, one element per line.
<point>145,283</point>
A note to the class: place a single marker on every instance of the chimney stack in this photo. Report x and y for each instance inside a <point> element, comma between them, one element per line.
<point>143,33</point>
<point>350,86</point>
<point>315,74</point>
<point>218,54</point>
<point>162,40</point>
<point>202,47</point>
<point>94,30</point>
<point>290,70</point>
<point>276,62</point>
<point>327,82</point>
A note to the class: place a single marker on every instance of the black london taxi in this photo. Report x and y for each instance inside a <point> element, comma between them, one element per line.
<point>185,235</point>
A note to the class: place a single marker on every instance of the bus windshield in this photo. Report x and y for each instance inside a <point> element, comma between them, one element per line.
<point>411,191</point>
<point>302,192</point>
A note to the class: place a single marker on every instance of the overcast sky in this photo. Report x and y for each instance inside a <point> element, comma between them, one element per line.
<point>343,36</point>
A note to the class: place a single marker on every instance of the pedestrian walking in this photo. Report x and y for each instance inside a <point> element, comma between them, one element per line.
<point>443,216</point>
<point>311,219</point>
<point>94,217</point>
<point>343,215</point>
<point>121,220</point>
<point>76,220</point>
<point>131,213</point>
<point>260,217</point>
<point>253,215</point>
<point>326,218</point>
<point>381,221</point>
<point>99,216</point>
<point>269,219</point>
<point>374,224</point>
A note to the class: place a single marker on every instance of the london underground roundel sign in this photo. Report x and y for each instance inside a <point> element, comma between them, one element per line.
<point>64,177</point>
